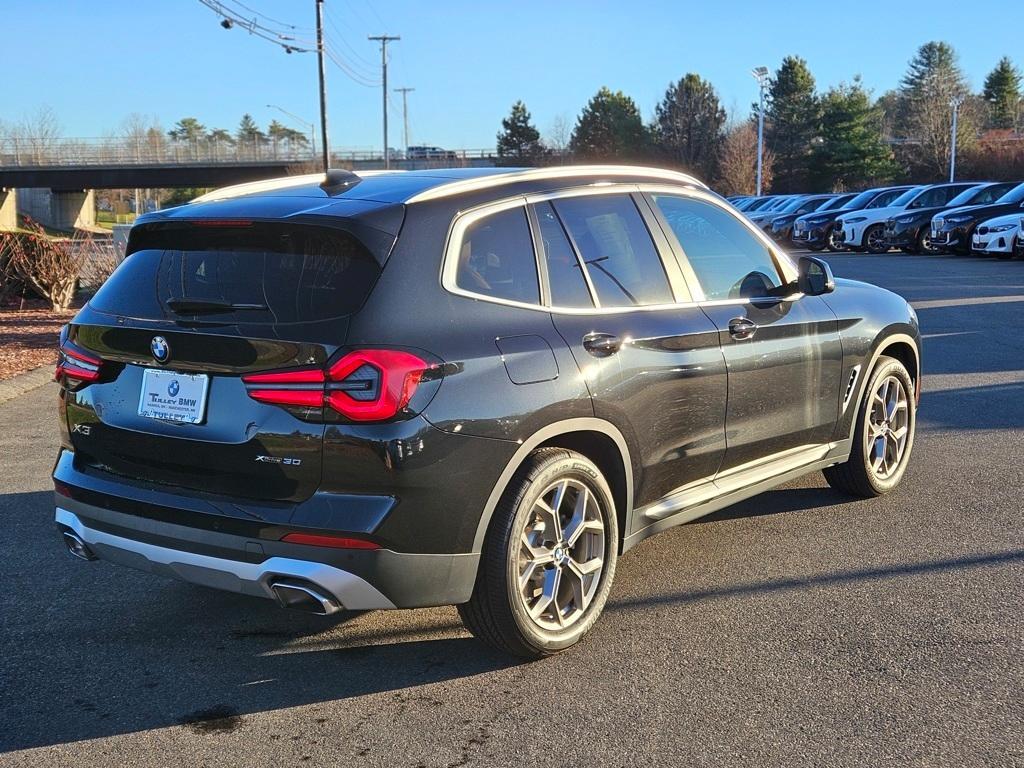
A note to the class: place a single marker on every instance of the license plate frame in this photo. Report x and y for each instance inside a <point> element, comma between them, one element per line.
<point>176,397</point>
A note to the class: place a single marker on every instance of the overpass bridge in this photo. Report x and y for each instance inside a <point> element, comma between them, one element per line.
<point>54,181</point>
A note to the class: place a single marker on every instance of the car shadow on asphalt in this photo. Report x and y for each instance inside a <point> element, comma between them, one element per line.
<point>778,501</point>
<point>93,650</point>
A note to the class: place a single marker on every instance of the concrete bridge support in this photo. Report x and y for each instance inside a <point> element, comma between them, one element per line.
<point>59,209</point>
<point>8,209</point>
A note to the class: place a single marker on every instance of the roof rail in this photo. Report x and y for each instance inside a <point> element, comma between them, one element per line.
<point>558,172</point>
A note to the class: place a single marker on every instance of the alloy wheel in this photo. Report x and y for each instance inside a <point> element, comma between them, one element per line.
<point>875,239</point>
<point>561,554</point>
<point>835,242</point>
<point>888,427</point>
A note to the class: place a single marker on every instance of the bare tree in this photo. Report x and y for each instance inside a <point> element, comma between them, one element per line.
<point>51,267</point>
<point>40,133</point>
<point>737,162</point>
<point>558,134</point>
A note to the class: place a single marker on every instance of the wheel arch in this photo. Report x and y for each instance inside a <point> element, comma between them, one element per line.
<point>598,440</point>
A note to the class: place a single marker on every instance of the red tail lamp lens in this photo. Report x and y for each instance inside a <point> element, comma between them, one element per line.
<point>364,385</point>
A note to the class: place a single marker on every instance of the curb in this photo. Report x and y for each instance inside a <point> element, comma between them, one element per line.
<point>25,382</point>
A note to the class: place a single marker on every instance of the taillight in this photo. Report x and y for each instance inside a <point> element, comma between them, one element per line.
<point>75,365</point>
<point>364,385</point>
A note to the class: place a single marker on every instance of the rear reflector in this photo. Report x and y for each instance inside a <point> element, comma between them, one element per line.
<point>338,542</point>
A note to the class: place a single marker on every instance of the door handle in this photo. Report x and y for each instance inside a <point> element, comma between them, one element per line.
<point>601,344</point>
<point>742,328</point>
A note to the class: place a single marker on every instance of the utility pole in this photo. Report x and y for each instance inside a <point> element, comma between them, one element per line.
<point>323,84</point>
<point>955,103</point>
<point>405,113</point>
<point>384,40</point>
<point>761,75</point>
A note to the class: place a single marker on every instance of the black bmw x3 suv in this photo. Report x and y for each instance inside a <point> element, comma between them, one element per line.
<point>468,387</point>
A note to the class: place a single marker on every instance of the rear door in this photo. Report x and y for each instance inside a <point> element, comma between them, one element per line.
<point>190,311</point>
<point>651,360</point>
<point>784,355</point>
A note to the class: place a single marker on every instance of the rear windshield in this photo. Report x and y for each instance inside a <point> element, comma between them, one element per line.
<point>240,274</point>
<point>1015,195</point>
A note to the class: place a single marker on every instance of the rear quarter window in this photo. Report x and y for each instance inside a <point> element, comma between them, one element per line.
<point>253,274</point>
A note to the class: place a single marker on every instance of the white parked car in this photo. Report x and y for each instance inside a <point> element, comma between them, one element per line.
<point>865,229</point>
<point>996,237</point>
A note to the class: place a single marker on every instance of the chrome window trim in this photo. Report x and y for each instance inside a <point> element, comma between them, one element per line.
<point>462,219</point>
<point>456,232</point>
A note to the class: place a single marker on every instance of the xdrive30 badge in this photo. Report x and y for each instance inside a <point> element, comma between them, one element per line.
<point>279,460</point>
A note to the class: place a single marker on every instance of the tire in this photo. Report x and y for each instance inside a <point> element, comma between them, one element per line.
<point>923,242</point>
<point>859,475</point>
<point>499,611</point>
<point>816,247</point>
<point>833,243</point>
<point>875,244</point>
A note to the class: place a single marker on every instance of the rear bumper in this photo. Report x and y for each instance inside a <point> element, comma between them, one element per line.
<point>354,579</point>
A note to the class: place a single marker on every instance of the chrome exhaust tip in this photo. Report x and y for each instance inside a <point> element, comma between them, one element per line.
<point>304,596</point>
<point>76,546</point>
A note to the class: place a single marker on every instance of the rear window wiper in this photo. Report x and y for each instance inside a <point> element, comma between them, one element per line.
<point>203,306</point>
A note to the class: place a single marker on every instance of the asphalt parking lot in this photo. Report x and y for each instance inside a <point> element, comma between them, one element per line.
<point>798,628</point>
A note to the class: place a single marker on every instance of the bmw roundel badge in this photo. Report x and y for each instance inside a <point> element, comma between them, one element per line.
<point>160,348</point>
<point>172,388</point>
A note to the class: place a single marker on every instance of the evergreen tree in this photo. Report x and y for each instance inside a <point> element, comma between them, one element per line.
<point>851,152</point>
<point>519,139</point>
<point>187,129</point>
<point>609,128</point>
<point>792,122</point>
<point>933,80</point>
<point>1003,93</point>
<point>248,133</point>
<point>220,136</point>
<point>688,125</point>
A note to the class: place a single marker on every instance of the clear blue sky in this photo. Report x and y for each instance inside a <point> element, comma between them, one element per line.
<point>95,62</point>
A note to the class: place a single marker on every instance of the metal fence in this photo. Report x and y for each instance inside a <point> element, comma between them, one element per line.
<point>16,152</point>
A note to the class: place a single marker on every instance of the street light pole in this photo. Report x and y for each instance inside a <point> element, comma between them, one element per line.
<point>323,83</point>
<point>955,103</point>
<point>761,75</point>
<point>384,40</point>
<point>306,123</point>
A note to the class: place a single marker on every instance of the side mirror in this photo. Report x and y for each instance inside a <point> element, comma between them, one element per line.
<point>815,277</point>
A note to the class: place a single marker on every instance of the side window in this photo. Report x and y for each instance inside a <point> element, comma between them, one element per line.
<point>496,258</point>
<point>621,259</point>
<point>565,273</point>
<point>729,260</point>
<point>883,200</point>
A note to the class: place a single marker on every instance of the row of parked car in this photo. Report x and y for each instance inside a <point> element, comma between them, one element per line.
<point>970,217</point>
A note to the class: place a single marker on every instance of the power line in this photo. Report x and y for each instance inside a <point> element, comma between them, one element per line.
<point>231,18</point>
<point>341,36</point>
<point>271,19</point>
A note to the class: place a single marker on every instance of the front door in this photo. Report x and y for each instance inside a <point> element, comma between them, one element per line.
<point>784,355</point>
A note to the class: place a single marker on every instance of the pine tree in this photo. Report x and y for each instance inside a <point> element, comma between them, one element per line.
<point>187,129</point>
<point>851,152</point>
<point>792,122</point>
<point>1003,92</point>
<point>248,133</point>
<point>609,128</point>
<point>933,80</point>
<point>519,139</point>
<point>688,123</point>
